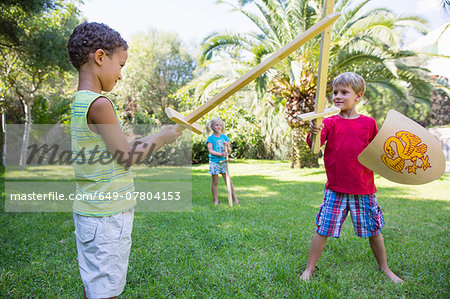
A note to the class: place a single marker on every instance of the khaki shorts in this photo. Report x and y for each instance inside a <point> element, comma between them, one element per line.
<point>103,245</point>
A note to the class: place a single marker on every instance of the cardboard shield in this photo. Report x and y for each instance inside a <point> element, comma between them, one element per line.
<point>404,152</point>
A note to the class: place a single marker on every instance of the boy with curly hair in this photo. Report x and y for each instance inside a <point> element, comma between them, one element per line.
<point>103,224</point>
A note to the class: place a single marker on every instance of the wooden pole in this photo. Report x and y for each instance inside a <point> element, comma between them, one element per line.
<point>230,195</point>
<point>323,74</point>
<point>228,181</point>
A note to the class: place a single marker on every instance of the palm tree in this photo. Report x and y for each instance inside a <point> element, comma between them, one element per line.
<point>367,42</point>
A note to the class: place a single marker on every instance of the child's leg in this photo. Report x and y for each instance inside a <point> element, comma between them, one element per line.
<point>377,245</point>
<point>317,245</point>
<point>334,207</point>
<point>215,182</point>
<point>368,220</point>
<point>233,194</point>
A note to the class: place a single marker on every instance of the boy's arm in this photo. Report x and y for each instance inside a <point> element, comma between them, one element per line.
<point>102,119</point>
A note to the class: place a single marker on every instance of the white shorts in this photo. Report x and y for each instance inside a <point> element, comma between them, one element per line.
<point>103,245</point>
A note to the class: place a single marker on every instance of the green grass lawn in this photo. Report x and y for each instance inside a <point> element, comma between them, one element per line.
<point>257,249</point>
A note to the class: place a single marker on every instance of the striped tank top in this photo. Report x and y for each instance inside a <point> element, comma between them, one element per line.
<point>103,187</point>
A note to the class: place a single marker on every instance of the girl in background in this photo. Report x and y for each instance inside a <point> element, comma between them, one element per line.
<point>219,148</point>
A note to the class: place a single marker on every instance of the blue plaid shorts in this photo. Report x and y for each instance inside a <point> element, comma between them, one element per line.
<point>216,168</point>
<point>366,215</point>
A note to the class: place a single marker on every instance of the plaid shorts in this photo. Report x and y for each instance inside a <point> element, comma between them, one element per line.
<point>366,215</point>
<point>217,168</point>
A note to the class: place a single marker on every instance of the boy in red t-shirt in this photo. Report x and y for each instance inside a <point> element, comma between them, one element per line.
<point>350,185</point>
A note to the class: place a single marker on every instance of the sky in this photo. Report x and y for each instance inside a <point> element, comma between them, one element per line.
<point>195,19</point>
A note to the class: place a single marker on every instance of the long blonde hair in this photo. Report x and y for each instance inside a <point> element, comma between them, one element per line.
<point>210,124</point>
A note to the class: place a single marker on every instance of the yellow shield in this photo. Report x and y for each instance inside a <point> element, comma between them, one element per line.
<point>404,152</point>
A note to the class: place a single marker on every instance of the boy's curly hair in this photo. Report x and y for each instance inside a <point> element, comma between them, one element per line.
<point>87,38</point>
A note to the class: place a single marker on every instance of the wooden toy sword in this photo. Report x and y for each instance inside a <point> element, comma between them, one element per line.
<point>229,190</point>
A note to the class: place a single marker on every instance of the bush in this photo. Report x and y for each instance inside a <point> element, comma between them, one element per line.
<point>199,152</point>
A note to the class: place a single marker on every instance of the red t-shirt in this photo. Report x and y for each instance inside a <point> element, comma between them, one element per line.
<point>346,139</point>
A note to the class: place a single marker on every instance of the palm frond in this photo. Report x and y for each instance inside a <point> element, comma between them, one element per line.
<point>279,15</point>
<point>344,22</point>
<point>389,85</point>
<point>258,21</point>
<point>342,5</point>
<point>226,43</point>
<point>294,11</point>
<point>346,60</point>
<point>219,76</point>
<point>274,33</point>
<point>412,22</point>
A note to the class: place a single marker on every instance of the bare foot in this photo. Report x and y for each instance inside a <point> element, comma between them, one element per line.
<point>216,202</point>
<point>305,276</point>
<point>391,275</point>
<point>236,201</point>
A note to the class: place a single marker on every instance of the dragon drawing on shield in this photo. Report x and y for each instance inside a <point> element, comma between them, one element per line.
<point>408,147</point>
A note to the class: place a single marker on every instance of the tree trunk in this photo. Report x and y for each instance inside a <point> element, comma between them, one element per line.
<point>3,132</point>
<point>26,135</point>
<point>302,156</point>
<point>298,101</point>
<point>440,105</point>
